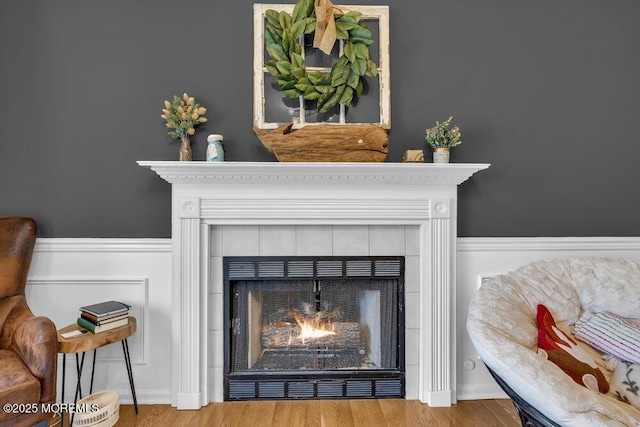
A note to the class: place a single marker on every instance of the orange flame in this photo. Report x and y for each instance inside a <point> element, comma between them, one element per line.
<point>308,330</point>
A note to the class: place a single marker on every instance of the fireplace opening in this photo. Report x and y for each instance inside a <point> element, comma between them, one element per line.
<point>313,327</point>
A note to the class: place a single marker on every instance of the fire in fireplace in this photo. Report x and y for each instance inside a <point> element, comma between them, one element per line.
<point>314,327</point>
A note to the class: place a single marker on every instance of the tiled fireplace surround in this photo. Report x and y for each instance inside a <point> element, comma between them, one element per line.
<point>312,209</point>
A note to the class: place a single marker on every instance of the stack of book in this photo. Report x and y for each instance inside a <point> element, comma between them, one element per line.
<point>104,316</point>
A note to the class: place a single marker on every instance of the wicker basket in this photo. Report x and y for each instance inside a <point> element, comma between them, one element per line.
<point>107,414</point>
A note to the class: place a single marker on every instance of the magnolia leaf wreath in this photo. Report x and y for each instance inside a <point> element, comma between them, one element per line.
<point>344,82</point>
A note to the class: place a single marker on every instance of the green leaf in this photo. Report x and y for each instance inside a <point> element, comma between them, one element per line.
<point>271,37</point>
<point>304,81</point>
<point>356,16</point>
<point>339,65</point>
<point>324,88</point>
<point>286,42</point>
<point>297,13</point>
<point>361,34</point>
<point>372,69</point>
<point>291,93</point>
<point>310,25</point>
<point>348,21</point>
<point>347,96</point>
<point>297,60</point>
<point>288,85</point>
<point>316,77</point>
<point>295,47</point>
<point>299,72</point>
<point>322,100</point>
<point>353,79</point>
<point>311,95</point>
<point>273,18</point>
<point>302,9</point>
<point>345,26</point>
<point>349,52</point>
<point>326,80</point>
<point>283,79</point>
<point>361,50</point>
<point>359,66</point>
<point>304,87</point>
<point>285,20</point>
<point>284,67</point>
<point>359,88</point>
<point>330,101</point>
<point>339,79</point>
<point>277,52</point>
<point>341,34</point>
<point>297,29</point>
<point>271,68</point>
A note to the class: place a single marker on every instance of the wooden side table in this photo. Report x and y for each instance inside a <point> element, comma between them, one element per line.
<point>90,341</point>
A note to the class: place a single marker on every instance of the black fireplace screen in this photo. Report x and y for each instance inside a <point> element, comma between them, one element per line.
<point>314,318</point>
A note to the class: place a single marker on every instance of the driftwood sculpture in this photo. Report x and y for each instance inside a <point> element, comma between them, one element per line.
<point>326,143</point>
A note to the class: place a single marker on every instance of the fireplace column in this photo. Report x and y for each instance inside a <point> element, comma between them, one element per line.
<point>437,252</point>
<point>186,271</point>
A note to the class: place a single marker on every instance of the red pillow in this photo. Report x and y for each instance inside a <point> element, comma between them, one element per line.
<point>562,350</point>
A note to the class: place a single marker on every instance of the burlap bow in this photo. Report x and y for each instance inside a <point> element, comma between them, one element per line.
<point>325,36</point>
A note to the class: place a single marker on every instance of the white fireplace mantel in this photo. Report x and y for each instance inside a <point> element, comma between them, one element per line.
<point>259,193</point>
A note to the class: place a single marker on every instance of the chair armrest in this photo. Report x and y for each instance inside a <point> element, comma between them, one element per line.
<point>36,341</point>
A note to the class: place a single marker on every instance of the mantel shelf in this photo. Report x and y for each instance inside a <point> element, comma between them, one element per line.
<point>419,173</point>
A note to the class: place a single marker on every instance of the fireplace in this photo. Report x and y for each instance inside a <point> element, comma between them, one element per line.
<point>420,197</point>
<point>314,327</point>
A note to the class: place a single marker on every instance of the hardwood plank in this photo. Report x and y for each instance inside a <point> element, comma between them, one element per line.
<point>336,413</point>
<point>297,413</point>
<point>504,411</point>
<point>325,413</point>
<point>424,415</point>
<point>367,413</point>
<point>159,415</point>
<point>474,412</point>
<point>258,413</point>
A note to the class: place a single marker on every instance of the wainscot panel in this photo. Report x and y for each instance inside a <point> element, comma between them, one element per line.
<point>66,274</point>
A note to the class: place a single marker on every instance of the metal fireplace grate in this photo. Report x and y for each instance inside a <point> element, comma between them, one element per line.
<point>296,268</point>
<point>328,389</point>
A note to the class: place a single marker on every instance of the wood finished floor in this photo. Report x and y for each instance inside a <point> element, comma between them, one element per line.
<point>326,413</point>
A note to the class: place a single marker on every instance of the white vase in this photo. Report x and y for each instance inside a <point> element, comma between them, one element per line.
<point>441,155</point>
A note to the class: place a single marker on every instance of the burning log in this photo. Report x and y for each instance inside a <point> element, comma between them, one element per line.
<point>344,335</point>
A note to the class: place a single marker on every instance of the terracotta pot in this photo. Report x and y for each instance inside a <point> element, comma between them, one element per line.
<point>185,150</point>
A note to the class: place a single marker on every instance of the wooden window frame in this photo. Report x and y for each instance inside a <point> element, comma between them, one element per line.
<point>380,13</point>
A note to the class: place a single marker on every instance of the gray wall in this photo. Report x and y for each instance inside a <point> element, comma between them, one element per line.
<point>546,91</point>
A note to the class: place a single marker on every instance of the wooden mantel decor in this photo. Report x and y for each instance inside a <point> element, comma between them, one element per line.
<point>321,93</point>
<point>326,143</point>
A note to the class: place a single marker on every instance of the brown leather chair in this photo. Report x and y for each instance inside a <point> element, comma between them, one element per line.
<point>28,344</point>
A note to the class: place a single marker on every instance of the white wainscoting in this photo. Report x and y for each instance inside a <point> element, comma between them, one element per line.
<point>68,273</point>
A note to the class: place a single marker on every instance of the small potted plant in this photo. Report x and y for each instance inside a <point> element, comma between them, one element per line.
<point>183,115</point>
<point>441,138</point>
